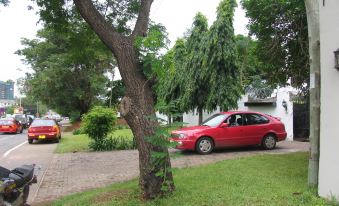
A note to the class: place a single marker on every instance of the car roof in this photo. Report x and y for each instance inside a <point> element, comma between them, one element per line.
<point>44,119</point>
<point>242,112</point>
<point>7,119</point>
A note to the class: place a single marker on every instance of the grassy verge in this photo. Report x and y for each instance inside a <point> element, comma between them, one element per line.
<point>259,180</point>
<point>79,143</point>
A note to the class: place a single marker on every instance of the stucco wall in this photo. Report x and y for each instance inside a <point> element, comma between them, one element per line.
<point>274,110</point>
<point>329,117</point>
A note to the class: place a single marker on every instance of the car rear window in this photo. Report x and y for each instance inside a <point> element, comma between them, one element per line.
<point>42,122</point>
<point>6,122</point>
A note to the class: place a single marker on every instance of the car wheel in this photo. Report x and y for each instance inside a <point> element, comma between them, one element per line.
<point>269,142</point>
<point>57,140</point>
<point>204,145</point>
<point>30,141</point>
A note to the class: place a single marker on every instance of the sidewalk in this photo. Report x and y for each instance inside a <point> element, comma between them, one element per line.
<point>76,172</point>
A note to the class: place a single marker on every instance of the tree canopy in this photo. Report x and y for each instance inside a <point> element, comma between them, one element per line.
<point>252,77</point>
<point>223,72</point>
<point>204,71</point>
<point>68,68</point>
<point>195,90</point>
<point>280,27</point>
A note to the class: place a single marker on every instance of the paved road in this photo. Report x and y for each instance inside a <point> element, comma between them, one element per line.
<point>8,141</point>
<point>15,151</point>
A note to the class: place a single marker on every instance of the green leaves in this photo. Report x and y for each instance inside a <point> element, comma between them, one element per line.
<point>68,68</point>
<point>204,72</point>
<point>281,29</point>
<point>99,122</point>
<point>224,82</point>
<point>149,48</point>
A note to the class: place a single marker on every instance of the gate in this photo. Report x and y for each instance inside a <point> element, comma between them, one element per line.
<point>301,120</point>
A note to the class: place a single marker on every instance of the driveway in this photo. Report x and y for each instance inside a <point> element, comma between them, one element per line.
<point>76,172</point>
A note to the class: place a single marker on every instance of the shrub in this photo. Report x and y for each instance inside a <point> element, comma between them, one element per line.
<point>114,143</point>
<point>97,124</point>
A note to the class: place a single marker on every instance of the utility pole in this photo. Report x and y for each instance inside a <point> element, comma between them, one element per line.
<point>37,108</point>
<point>313,23</point>
<point>110,98</point>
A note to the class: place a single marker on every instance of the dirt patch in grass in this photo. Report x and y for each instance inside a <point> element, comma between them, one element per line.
<point>45,203</point>
<point>108,196</point>
<point>73,126</point>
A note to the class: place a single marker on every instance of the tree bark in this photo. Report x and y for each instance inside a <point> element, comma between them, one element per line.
<point>169,116</point>
<point>200,111</point>
<point>138,104</point>
<point>312,10</point>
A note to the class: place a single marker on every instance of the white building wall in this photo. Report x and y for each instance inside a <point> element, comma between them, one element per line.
<point>329,116</point>
<point>276,110</point>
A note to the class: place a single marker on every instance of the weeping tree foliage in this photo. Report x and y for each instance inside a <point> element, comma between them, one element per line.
<point>221,67</point>
<point>68,67</point>
<point>195,90</point>
<point>204,72</point>
<point>170,84</point>
<point>280,27</point>
<point>123,26</point>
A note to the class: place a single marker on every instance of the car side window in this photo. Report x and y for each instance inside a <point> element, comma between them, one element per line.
<point>234,120</point>
<point>253,119</point>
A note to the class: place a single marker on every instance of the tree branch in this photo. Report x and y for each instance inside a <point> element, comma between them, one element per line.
<point>141,25</point>
<point>97,22</point>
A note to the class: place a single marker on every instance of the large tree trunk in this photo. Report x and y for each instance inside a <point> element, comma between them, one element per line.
<point>312,10</point>
<point>137,107</point>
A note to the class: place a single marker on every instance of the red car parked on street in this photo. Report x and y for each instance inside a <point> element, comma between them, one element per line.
<point>10,125</point>
<point>44,129</point>
<point>231,129</point>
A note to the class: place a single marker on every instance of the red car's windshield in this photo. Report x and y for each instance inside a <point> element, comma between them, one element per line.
<point>41,122</point>
<point>214,120</point>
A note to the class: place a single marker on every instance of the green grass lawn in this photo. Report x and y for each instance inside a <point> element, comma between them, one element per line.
<point>79,143</point>
<point>260,180</point>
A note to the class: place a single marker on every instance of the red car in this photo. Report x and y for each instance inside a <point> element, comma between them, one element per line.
<point>44,129</point>
<point>10,126</point>
<point>231,129</point>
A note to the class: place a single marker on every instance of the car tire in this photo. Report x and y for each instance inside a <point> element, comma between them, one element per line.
<point>269,142</point>
<point>30,141</point>
<point>204,145</point>
<point>57,140</point>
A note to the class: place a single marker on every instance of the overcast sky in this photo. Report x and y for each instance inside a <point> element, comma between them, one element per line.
<point>16,22</point>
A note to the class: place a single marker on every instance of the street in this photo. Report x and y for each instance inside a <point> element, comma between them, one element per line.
<point>15,151</point>
<point>9,141</point>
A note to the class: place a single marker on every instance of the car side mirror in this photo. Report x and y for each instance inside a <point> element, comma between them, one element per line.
<point>224,125</point>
